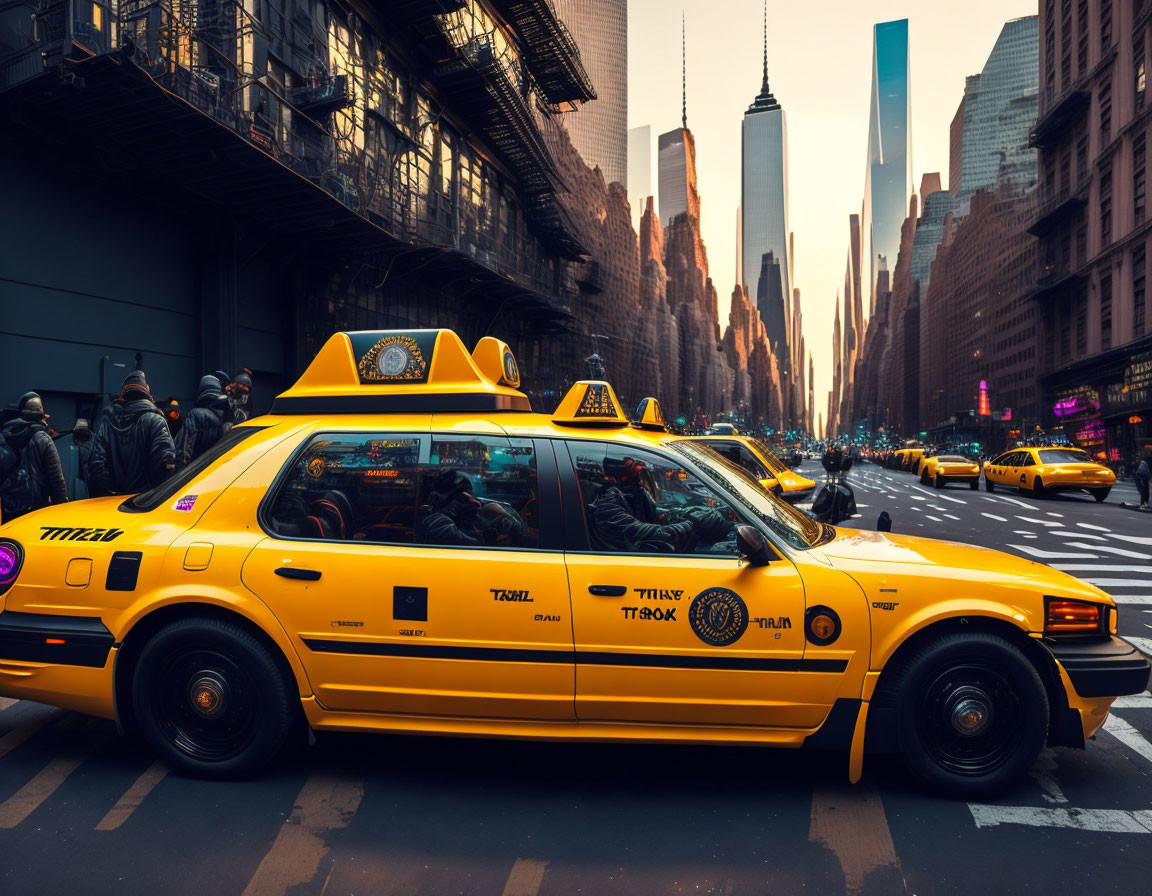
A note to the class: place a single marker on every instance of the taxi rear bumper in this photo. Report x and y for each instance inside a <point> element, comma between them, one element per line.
<point>48,638</point>
<point>1112,668</point>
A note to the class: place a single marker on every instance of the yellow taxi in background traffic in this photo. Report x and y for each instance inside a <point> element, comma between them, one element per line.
<point>1042,471</point>
<point>940,469</point>
<point>402,545</point>
<point>910,458</point>
<point>762,462</point>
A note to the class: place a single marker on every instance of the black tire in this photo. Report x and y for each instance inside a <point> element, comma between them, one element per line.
<point>923,478</point>
<point>938,482</point>
<point>1038,488</point>
<point>989,486</point>
<point>975,485</point>
<point>1007,718</point>
<point>1100,494</point>
<point>204,659</point>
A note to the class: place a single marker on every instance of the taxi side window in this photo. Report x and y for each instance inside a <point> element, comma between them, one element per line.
<point>351,487</point>
<point>636,501</point>
<point>479,491</point>
<point>742,457</point>
<point>1026,459</point>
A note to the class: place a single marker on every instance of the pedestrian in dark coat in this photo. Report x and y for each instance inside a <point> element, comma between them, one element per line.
<point>1142,477</point>
<point>38,479</point>
<point>204,424</point>
<point>134,451</point>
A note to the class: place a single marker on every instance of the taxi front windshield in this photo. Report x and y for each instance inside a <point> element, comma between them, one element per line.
<point>1064,456</point>
<point>798,530</point>
<point>774,463</point>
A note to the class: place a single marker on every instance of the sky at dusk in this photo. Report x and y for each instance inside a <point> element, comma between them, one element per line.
<point>819,67</point>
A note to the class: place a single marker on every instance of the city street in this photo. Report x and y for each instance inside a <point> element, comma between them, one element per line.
<point>84,811</point>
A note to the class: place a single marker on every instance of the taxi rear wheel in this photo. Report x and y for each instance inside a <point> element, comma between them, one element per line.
<point>211,699</point>
<point>1100,494</point>
<point>972,715</point>
<point>988,485</point>
<point>924,478</point>
<point>1038,488</point>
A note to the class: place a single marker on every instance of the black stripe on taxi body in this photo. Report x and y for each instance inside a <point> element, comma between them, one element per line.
<point>47,638</point>
<point>582,657</point>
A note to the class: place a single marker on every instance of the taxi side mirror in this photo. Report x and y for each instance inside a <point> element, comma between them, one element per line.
<point>750,542</point>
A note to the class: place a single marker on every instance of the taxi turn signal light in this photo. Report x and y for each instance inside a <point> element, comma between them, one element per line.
<point>1073,617</point>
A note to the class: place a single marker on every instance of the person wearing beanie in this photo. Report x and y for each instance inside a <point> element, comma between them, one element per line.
<point>38,479</point>
<point>204,424</point>
<point>133,449</point>
<point>240,396</point>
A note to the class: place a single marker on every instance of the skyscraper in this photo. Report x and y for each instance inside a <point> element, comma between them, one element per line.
<point>999,109</point>
<point>599,129</point>
<point>639,170</point>
<point>676,153</point>
<point>764,186</point>
<point>888,176</point>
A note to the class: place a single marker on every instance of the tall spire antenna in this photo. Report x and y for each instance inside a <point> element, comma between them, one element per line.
<point>765,46</point>
<point>683,71</point>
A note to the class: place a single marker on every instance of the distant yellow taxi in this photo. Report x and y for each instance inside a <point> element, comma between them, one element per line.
<point>761,461</point>
<point>402,545</point>
<point>940,469</point>
<point>1042,471</point>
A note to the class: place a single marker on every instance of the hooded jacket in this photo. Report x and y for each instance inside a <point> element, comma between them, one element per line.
<point>133,450</point>
<point>204,424</point>
<point>39,479</point>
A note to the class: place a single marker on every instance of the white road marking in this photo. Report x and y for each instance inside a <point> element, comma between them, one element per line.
<point>1016,501</point>
<point>1044,773</point>
<point>953,500</point>
<point>934,519</point>
<point>1114,583</point>
<point>993,516</point>
<point>1134,539</point>
<point>1133,599</point>
<point>1121,552</point>
<point>1107,821</point>
<point>951,517</point>
<point>1031,536</point>
<point>1144,645</point>
<point>1100,529</point>
<point>917,498</point>
<point>1054,513</point>
<point>1099,567</point>
<point>917,508</point>
<point>1129,736</point>
<point>1051,555</point>
<point>1070,533</point>
<point>1046,523</point>
<point>526,877</point>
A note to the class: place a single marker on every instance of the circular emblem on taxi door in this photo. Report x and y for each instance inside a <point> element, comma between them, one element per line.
<point>718,616</point>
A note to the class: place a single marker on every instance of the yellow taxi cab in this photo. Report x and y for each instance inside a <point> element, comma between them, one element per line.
<point>910,458</point>
<point>1042,471</point>
<point>402,545</point>
<point>762,462</point>
<point>940,469</point>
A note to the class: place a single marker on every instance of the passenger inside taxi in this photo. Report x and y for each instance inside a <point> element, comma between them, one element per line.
<point>624,516</point>
<point>455,516</point>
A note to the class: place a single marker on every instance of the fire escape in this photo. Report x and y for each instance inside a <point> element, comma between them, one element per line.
<point>549,50</point>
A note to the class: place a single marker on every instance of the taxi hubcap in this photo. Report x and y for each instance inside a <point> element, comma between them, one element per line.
<point>208,694</point>
<point>971,712</point>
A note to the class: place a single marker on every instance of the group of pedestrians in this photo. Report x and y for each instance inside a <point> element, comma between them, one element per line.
<point>136,445</point>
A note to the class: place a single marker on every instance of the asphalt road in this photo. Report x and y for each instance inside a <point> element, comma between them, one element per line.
<point>84,812</point>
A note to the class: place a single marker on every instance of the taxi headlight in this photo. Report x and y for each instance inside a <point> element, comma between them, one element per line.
<point>11,559</point>
<point>1063,616</point>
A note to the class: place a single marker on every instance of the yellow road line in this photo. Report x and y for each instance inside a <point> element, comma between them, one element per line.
<point>133,796</point>
<point>526,877</point>
<point>850,821</point>
<point>325,803</point>
<point>17,736</point>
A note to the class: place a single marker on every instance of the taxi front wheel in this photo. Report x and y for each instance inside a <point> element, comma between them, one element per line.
<point>972,715</point>
<point>211,699</point>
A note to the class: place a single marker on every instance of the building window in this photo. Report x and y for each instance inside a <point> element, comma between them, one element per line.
<point>1082,27</point>
<point>1081,246</point>
<point>1081,331</point>
<point>1082,160</point>
<point>1105,25</point>
<point>1105,113</point>
<point>1138,286</point>
<point>1138,179</point>
<point>1106,206</point>
<point>1105,312</point>
<point>1141,76</point>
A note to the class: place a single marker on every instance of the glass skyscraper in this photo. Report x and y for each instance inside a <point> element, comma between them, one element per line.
<point>764,192</point>
<point>888,177</point>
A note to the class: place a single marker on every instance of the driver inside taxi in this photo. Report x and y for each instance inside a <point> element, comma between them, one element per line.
<point>624,516</point>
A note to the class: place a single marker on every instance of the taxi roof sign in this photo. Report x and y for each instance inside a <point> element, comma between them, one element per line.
<point>590,403</point>
<point>649,415</point>
<point>373,371</point>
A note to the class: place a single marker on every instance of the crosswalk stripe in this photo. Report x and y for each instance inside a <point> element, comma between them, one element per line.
<point>993,516</point>
<point>852,824</point>
<point>1108,821</point>
<point>1100,567</point>
<point>1134,539</point>
<point>1050,555</point>
<point>526,877</point>
<point>1134,701</point>
<point>1099,529</point>
<point>1051,524</point>
<point>1133,599</point>
<point>325,803</point>
<point>1129,736</point>
<point>1144,645</point>
<point>1072,533</point>
<point>1105,582</point>
<point>47,781</point>
<point>1108,549</point>
<point>133,796</point>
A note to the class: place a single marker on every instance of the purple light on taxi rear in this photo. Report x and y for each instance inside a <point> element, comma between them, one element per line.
<point>8,562</point>
<point>186,503</point>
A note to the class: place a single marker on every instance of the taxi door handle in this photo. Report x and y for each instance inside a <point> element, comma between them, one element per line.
<point>608,590</point>
<point>295,572</point>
